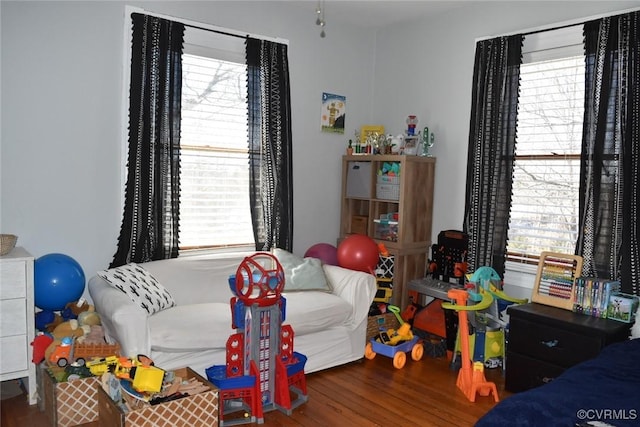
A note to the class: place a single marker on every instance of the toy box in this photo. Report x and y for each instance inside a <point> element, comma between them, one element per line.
<point>198,410</point>
<point>69,403</point>
<point>622,307</point>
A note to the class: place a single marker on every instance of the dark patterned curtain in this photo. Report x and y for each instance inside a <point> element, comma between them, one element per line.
<point>610,171</point>
<point>492,139</point>
<point>149,228</point>
<point>270,162</point>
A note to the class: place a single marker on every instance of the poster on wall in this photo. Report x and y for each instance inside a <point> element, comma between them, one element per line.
<point>333,111</point>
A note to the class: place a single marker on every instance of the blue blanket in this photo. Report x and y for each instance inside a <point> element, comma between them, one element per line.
<point>604,389</point>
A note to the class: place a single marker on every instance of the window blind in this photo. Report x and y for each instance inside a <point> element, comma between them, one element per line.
<point>214,199</point>
<point>544,207</point>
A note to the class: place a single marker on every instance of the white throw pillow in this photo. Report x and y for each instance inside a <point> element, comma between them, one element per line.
<point>302,274</point>
<point>140,286</point>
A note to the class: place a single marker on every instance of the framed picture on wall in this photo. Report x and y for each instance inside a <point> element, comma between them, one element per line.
<point>333,112</point>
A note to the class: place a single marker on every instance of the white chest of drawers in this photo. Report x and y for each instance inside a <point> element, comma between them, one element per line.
<point>17,319</point>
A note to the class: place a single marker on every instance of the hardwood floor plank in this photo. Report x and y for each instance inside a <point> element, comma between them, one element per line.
<point>366,393</point>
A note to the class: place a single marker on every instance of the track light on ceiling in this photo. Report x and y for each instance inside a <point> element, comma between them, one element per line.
<point>320,17</point>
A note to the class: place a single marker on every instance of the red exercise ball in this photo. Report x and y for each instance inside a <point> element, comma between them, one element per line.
<point>358,252</point>
<point>325,252</point>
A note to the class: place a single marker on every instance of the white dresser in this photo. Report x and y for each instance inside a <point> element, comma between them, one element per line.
<point>17,319</point>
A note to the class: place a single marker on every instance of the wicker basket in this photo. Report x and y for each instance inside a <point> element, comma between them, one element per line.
<point>7,243</point>
<point>381,322</point>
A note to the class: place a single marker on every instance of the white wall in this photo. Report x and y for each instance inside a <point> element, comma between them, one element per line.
<point>61,116</point>
<point>60,178</point>
<point>426,68</point>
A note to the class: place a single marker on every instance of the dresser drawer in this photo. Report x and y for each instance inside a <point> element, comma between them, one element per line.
<point>13,281</point>
<point>524,372</point>
<point>14,354</point>
<point>13,317</point>
<point>551,344</point>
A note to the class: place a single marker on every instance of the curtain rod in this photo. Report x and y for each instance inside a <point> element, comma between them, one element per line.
<point>563,24</point>
<point>559,27</point>
<point>226,33</point>
<point>204,26</point>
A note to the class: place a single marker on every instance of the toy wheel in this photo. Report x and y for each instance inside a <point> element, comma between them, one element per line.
<point>399,360</point>
<point>417,351</point>
<point>368,351</point>
<point>62,362</point>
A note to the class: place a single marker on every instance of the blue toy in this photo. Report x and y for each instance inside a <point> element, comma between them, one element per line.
<point>58,280</point>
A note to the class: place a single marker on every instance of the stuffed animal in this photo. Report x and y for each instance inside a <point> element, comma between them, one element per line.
<point>95,336</point>
<point>40,344</point>
<point>89,318</point>
<point>70,328</point>
<point>47,320</point>
<point>74,308</point>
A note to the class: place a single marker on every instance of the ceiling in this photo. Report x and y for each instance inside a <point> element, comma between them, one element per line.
<point>379,13</point>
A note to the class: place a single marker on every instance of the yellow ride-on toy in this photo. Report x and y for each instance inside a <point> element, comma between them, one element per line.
<point>395,344</point>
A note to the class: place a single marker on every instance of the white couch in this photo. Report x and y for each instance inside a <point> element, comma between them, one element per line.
<point>329,328</point>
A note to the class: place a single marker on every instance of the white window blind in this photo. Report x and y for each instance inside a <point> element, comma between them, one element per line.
<point>214,175</point>
<point>544,209</point>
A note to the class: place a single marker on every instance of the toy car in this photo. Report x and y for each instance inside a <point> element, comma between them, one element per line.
<point>396,344</point>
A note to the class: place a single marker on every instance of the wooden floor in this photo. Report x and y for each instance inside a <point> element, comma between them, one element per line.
<point>363,393</point>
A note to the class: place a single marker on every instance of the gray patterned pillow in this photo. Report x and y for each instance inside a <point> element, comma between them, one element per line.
<point>140,286</point>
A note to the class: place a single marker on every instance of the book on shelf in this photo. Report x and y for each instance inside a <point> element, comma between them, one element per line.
<point>591,295</point>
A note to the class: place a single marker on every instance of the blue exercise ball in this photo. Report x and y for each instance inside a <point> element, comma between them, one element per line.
<point>58,280</point>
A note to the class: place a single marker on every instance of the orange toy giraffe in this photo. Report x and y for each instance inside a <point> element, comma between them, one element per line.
<point>471,379</point>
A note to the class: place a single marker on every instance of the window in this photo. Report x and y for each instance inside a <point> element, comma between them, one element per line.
<point>544,207</point>
<point>214,175</point>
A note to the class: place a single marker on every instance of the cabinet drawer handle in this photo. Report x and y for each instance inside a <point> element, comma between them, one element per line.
<point>550,343</point>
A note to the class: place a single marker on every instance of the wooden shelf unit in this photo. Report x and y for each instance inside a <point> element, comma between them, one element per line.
<point>414,207</point>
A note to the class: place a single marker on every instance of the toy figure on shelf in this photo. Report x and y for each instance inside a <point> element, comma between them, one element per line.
<point>262,370</point>
<point>412,121</point>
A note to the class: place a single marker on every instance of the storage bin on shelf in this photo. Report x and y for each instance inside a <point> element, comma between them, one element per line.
<point>385,266</point>
<point>388,187</point>
<point>385,229</point>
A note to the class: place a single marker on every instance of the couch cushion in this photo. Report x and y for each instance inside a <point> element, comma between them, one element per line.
<point>308,312</point>
<point>197,279</point>
<point>140,286</point>
<point>191,327</point>
<point>302,274</point>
